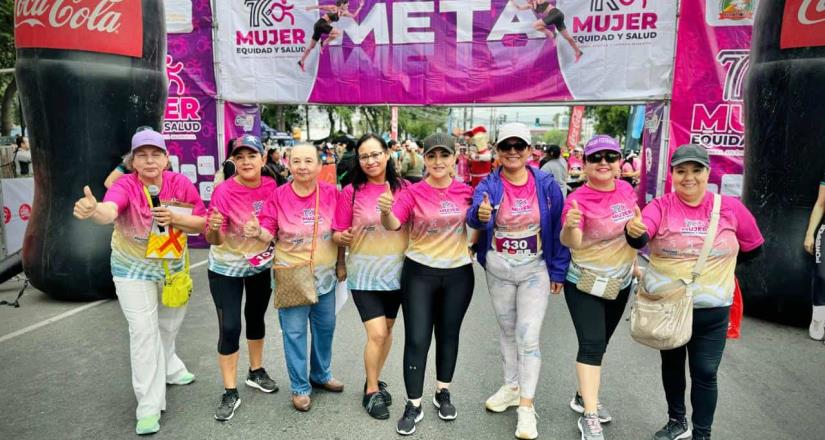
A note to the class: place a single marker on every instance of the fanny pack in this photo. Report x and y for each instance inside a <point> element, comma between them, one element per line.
<point>598,285</point>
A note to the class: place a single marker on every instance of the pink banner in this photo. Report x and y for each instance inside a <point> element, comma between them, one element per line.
<point>712,61</point>
<point>575,130</point>
<point>240,119</point>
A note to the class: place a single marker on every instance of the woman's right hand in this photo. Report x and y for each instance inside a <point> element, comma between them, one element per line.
<point>85,207</point>
<point>636,227</point>
<point>215,221</point>
<point>573,220</point>
<point>386,200</point>
<point>809,244</point>
<point>485,210</point>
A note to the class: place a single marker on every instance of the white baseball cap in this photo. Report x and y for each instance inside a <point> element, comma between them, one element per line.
<point>514,130</point>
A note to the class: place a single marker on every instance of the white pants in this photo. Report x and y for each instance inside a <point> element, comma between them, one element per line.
<point>152,331</point>
<point>520,295</point>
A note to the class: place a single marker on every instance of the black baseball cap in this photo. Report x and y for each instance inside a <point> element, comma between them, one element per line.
<point>439,140</point>
<point>690,153</point>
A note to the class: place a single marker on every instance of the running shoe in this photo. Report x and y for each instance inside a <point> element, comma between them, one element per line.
<point>384,389</point>
<point>590,427</point>
<point>230,401</point>
<point>817,328</point>
<point>446,410</point>
<point>526,427</point>
<point>412,415</point>
<point>577,404</point>
<point>184,379</point>
<point>674,430</point>
<point>504,398</point>
<point>260,380</point>
<point>147,425</point>
<point>375,405</point>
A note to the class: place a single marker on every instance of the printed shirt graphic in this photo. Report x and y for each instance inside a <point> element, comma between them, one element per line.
<point>604,248</point>
<point>438,235</point>
<point>678,233</point>
<point>518,217</point>
<point>134,220</point>
<point>376,254</point>
<point>236,203</point>
<point>290,218</point>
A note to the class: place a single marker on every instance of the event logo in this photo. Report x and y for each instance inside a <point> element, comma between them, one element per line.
<point>109,26</point>
<point>182,119</point>
<point>521,207</point>
<point>6,215</point>
<point>625,20</point>
<point>448,208</point>
<point>695,228</point>
<point>246,122</point>
<point>283,38</point>
<point>803,24</point>
<point>621,213</point>
<point>736,10</point>
<point>723,125</point>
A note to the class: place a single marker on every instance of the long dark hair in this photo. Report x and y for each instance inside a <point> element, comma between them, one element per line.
<point>359,177</point>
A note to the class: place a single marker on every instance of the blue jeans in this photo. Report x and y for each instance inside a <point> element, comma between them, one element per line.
<point>293,321</point>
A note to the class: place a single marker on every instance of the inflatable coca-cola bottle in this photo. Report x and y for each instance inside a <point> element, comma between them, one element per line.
<point>89,72</point>
<point>785,152</point>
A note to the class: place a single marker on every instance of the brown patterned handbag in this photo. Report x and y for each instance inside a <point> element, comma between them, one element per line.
<point>295,284</point>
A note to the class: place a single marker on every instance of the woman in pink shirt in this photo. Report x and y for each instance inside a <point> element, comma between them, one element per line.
<point>437,277</point>
<point>235,202</point>
<point>676,225</point>
<point>138,280</point>
<point>374,261</point>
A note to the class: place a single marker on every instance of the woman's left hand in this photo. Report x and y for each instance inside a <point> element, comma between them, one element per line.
<point>341,272</point>
<point>555,288</point>
<point>163,216</point>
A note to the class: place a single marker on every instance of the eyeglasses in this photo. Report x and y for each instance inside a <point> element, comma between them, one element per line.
<point>374,156</point>
<point>609,156</point>
<point>518,146</point>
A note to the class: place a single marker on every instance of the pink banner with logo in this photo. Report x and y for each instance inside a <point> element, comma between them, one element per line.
<point>240,119</point>
<point>575,130</point>
<point>444,52</point>
<point>712,62</point>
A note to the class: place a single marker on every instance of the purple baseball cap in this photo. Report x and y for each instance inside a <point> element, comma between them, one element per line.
<point>148,137</point>
<point>601,142</point>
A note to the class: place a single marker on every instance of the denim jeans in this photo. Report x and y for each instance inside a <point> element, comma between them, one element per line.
<point>321,317</point>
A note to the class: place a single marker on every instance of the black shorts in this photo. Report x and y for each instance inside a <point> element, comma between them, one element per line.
<point>556,18</point>
<point>373,304</point>
<point>321,27</point>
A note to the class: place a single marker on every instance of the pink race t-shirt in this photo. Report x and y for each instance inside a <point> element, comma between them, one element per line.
<point>574,163</point>
<point>516,236</point>
<point>134,220</point>
<point>237,203</point>
<point>376,255</point>
<point>677,233</point>
<point>604,249</point>
<point>631,166</point>
<point>290,218</point>
<point>438,235</point>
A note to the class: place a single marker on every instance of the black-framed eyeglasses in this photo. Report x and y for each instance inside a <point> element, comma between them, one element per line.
<point>609,156</point>
<point>375,155</point>
<point>518,146</point>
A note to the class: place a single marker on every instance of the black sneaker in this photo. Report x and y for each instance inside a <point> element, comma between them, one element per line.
<point>375,406</point>
<point>230,401</point>
<point>441,400</point>
<point>674,430</point>
<point>382,388</point>
<point>260,380</point>
<point>412,415</point>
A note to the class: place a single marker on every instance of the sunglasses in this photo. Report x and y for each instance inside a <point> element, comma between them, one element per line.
<point>609,156</point>
<point>518,146</point>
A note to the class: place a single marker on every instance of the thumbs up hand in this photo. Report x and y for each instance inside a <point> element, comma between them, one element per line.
<point>252,228</point>
<point>85,207</point>
<point>385,200</point>
<point>574,216</point>
<point>636,227</point>
<point>215,220</point>
<point>485,210</point>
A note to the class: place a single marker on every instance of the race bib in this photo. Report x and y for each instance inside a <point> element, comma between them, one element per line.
<point>262,258</point>
<point>520,246</point>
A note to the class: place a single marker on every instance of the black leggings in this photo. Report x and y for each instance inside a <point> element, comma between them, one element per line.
<point>227,293</point>
<point>818,290</point>
<point>595,320</point>
<point>704,353</point>
<point>432,298</point>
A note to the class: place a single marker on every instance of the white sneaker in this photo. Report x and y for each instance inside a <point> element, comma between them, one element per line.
<point>817,328</point>
<point>526,428</point>
<point>504,398</point>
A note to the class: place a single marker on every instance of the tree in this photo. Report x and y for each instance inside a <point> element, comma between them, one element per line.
<point>610,120</point>
<point>558,137</point>
<point>420,122</point>
<point>282,117</point>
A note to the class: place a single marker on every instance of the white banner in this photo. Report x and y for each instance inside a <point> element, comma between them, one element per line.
<point>17,208</point>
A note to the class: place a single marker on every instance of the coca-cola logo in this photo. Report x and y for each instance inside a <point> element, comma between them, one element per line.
<point>803,24</point>
<point>109,26</point>
<point>6,215</point>
<point>25,212</point>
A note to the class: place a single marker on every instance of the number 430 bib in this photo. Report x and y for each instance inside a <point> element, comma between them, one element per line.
<point>517,244</point>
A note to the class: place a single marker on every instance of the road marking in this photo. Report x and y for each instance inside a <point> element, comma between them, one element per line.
<point>69,313</point>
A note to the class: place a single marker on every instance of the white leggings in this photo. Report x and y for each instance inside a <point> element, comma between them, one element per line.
<point>152,331</point>
<point>519,296</point>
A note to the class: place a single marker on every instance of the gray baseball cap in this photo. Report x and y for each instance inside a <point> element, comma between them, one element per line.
<point>439,140</point>
<point>690,153</point>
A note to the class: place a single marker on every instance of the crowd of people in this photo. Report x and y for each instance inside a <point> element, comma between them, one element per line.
<point>402,232</point>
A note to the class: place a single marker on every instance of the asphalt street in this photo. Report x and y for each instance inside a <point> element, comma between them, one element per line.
<point>64,373</point>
